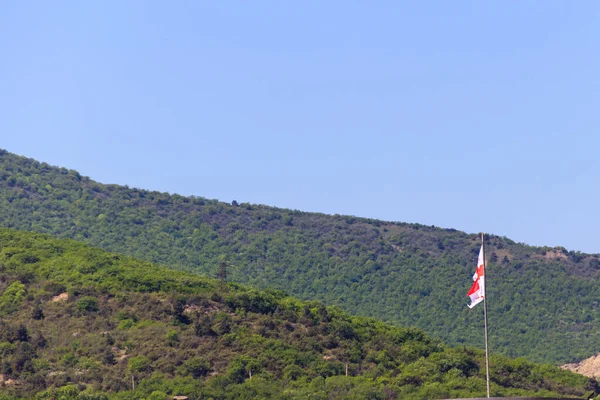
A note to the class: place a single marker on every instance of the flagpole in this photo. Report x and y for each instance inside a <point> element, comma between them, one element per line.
<point>487,364</point>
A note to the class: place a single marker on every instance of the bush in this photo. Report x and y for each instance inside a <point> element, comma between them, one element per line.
<point>172,336</point>
<point>126,324</point>
<point>158,395</point>
<point>87,304</point>
<point>197,367</point>
<point>257,302</point>
<point>138,364</point>
<point>13,297</point>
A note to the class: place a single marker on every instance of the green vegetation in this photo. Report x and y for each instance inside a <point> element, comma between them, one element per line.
<point>105,322</point>
<point>543,302</point>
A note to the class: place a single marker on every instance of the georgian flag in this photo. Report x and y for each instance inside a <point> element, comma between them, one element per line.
<point>478,289</point>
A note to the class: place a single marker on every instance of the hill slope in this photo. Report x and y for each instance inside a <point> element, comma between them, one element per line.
<point>542,301</point>
<point>80,323</point>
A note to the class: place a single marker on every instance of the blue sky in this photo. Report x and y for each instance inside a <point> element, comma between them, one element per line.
<point>469,115</point>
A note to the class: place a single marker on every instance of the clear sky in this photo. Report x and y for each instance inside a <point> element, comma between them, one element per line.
<point>474,115</point>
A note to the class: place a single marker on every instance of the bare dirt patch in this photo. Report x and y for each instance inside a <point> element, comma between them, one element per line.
<point>555,254</point>
<point>60,297</point>
<point>589,367</point>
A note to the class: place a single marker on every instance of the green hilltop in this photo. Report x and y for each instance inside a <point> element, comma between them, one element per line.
<point>542,301</point>
<point>78,322</point>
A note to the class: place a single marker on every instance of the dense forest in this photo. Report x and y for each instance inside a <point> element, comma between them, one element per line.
<point>542,301</point>
<point>77,322</point>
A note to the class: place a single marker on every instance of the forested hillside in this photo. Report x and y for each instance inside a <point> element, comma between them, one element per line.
<point>80,323</point>
<point>542,301</point>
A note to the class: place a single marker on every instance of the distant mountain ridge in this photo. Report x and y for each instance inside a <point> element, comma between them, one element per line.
<point>542,301</point>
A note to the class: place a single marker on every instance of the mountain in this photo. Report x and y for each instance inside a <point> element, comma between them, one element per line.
<point>542,301</point>
<point>77,322</point>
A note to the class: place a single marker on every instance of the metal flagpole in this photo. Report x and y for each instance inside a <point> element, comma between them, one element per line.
<point>487,363</point>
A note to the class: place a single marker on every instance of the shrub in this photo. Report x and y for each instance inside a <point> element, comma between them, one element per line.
<point>197,367</point>
<point>138,364</point>
<point>126,324</point>
<point>87,304</point>
<point>172,336</point>
<point>13,297</point>
<point>158,395</point>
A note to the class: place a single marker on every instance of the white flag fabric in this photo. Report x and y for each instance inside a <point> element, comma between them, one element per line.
<point>476,293</point>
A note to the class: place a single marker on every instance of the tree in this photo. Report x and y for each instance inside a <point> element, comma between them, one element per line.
<point>223,275</point>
